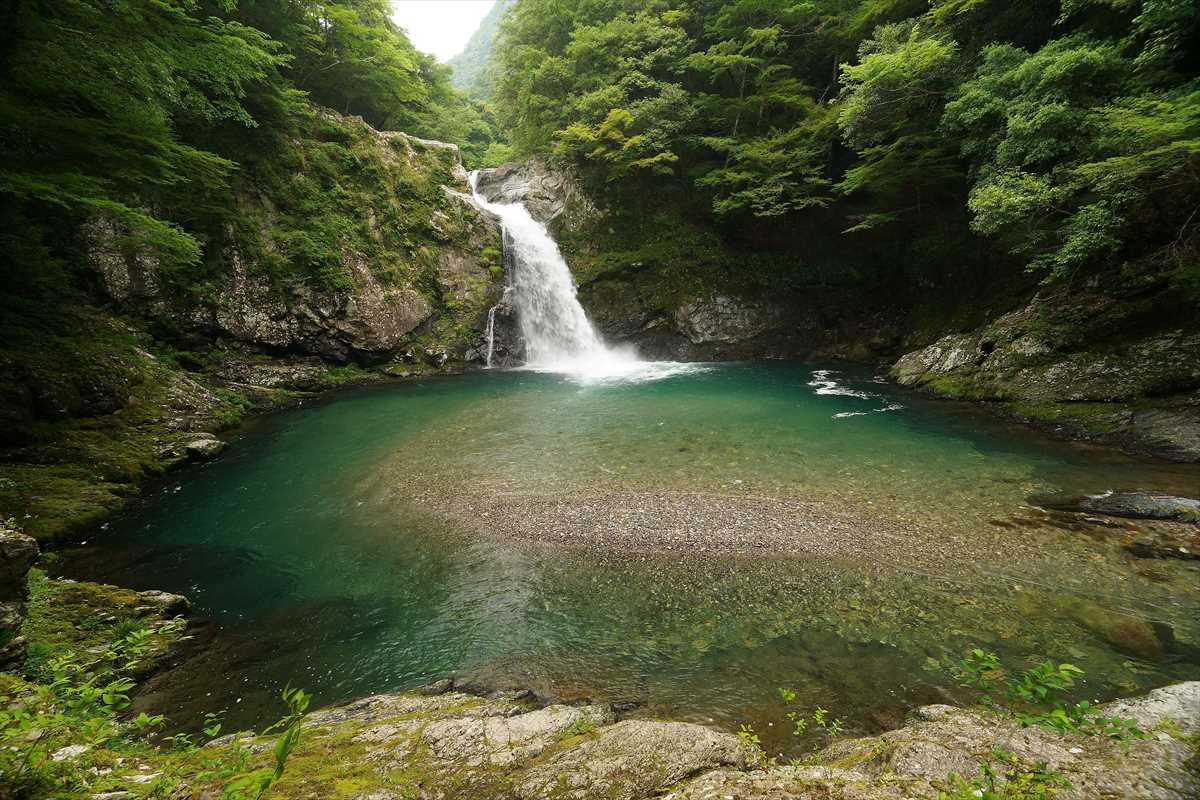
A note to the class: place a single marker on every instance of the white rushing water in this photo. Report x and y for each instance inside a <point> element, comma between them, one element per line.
<point>558,335</point>
<point>824,383</point>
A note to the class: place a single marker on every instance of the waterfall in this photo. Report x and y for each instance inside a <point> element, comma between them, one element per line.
<point>558,335</point>
<point>491,329</point>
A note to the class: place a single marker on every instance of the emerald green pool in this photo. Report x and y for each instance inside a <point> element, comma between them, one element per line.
<point>684,545</point>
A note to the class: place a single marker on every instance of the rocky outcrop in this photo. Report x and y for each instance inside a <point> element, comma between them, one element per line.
<point>554,195</point>
<point>365,319</point>
<point>1134,505</point>
<point>458,745</point>
<point>204,447</point>
<point>447,744</point>
<point>414,270</point>
<point>17,554</point>
<point>305,374</point>
<point>938,741</point>
<point>1086,364</point>
<point>723,319</point>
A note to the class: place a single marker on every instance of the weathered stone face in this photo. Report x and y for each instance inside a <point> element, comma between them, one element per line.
<point>723,319</point>
<point>501,747</point>
<point>17,554</point>
<point>936,741</point>
<point>377,310</point>
<point>552,195</point>
<point>453,744</point>
<point>1141,388</point>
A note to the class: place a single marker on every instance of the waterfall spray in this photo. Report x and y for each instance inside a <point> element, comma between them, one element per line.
<point>558,335</point>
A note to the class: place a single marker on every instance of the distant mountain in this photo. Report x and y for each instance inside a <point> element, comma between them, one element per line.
<point>471,65</point>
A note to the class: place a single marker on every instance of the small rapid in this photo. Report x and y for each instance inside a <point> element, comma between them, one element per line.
<point>558,335</point>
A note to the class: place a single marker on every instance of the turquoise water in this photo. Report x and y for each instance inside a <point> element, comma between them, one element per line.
<point>684,545</point>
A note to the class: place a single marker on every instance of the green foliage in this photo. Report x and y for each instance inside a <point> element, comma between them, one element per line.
<point>66,739</point>
<point>473,66</point>
<point>610,143</point>
<point>76,142</point>
<point>253,785</point>
<point>1070,157</point>
<point>580,727</point>
<point>751,746</point>
<point>152,115</point>
<point>902,74</point>
<point>774,174</point>
<point>802,724</point>
<point>1067,134</point>
<point>1041,695</point>
<point>76,704</point>
<point>1015,780</point>
<point>819,719</point>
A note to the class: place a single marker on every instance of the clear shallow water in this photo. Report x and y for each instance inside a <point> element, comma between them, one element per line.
<point>310,547</point>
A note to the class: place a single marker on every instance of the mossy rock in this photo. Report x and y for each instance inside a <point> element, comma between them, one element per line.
<point>87,618</point>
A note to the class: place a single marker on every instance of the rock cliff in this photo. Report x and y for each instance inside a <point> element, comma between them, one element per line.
<point>1084,363</point>
<point>17,554</point>
<point>349,254</point>
<point>677,291</point>
<point>413,261</point>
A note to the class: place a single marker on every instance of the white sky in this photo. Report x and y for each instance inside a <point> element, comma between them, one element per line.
<point>441,27</point>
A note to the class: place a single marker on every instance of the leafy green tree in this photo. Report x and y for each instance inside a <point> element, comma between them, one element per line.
<point>359,62</point>
<point>777,173</point>
<point>891,102</point>
<point>1067,158</point>
<point>610,143</point>
<point>77,142</point>
<point>472,67</point>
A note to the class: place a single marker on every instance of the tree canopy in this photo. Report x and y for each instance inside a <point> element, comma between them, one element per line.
<point>1066,132</point>
<point>143,109</point>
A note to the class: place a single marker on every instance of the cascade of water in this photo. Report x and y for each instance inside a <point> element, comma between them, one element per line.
<point>491,329</point>
<point>558,335</point>
<point>491,336</point>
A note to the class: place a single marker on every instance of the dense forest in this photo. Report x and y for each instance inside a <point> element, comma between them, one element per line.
<point>1069,132</point>
<point>157,114</point>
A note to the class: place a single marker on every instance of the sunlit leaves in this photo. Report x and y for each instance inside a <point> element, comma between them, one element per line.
<point>610,143</point>
<point>903,72</point>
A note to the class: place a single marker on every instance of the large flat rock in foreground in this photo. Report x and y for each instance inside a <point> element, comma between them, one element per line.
<point>456,746</point>
<point>916,760</point>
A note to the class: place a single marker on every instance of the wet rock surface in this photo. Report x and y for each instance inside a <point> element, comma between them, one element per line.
<point>1132,505</point>
<point>204,447</point>
<point>552,195</point>
<point>1141,505</point>
<point>723,319</point>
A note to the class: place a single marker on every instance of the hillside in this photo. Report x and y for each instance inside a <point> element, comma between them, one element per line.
<point>472,66</point>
